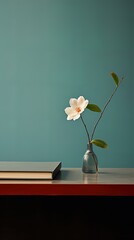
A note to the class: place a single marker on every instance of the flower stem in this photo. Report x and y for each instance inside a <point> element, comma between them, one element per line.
<point>105,106</point>
<point>86,130</point>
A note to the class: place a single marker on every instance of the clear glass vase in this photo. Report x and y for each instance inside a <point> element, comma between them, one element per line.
<point>90,161</point>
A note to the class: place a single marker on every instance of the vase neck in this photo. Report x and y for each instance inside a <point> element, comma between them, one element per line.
<point>90,147</point>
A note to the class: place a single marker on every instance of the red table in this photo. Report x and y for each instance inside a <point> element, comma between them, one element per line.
<point>72,206</point>
<point>72,182</point>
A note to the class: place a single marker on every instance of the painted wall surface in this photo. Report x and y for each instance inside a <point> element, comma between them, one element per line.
<point>52,50</point>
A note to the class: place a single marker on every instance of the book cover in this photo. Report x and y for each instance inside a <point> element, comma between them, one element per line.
<point>29,170</point>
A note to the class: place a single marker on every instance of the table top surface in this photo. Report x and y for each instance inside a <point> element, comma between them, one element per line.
<point>71,181</point>
<point>76,176</point>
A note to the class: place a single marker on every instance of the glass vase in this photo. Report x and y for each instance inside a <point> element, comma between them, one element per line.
<point>90,161</point>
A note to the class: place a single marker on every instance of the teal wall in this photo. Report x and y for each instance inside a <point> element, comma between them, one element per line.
<point>52,50</point>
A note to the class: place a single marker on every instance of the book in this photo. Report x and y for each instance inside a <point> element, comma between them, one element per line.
<point>29,170</point>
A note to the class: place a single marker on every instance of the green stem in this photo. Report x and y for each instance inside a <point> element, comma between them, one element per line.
<point>105,106</point>
<point>86,130</point>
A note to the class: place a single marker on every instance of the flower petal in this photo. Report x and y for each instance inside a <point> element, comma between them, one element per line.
<point>69,110</point>
<point>81,100</point>
<point>85,103</point>
<point>82,103</point>
<point>76,117</point>
<point>73,102</point>
<point>69,117</point>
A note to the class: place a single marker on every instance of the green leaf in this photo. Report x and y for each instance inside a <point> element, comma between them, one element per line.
<point>99,143</point>
<point>93,108</point>
<point>115,78</point>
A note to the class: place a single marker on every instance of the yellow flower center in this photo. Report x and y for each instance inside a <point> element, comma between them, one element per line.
<point>78,109</point>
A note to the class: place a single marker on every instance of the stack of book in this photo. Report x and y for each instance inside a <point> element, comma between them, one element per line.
<point>29,170</point>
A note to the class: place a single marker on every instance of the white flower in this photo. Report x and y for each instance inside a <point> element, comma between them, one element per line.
<point>77,106</point>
